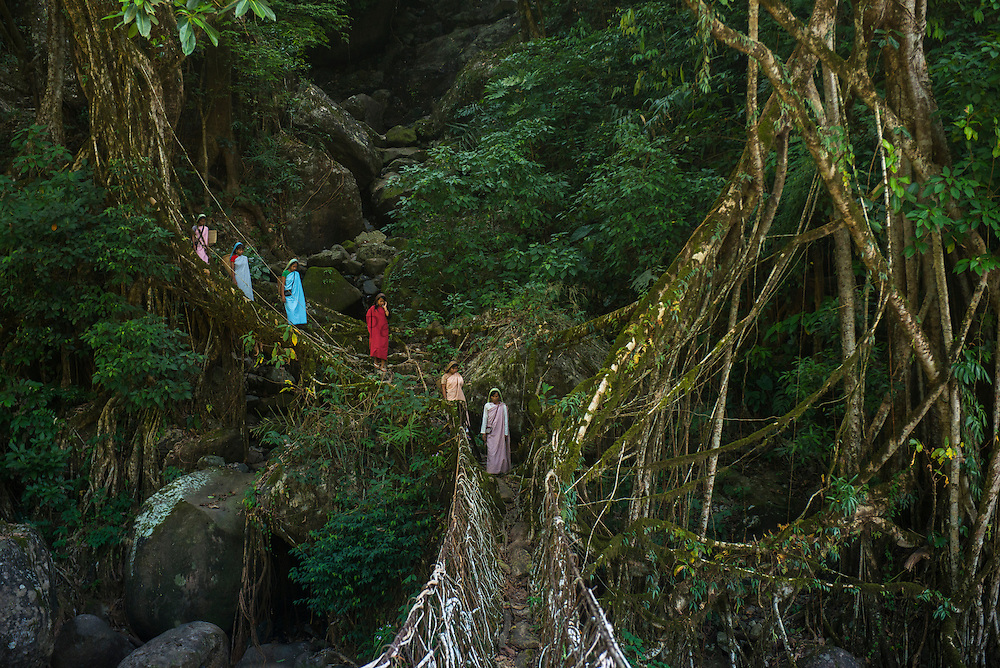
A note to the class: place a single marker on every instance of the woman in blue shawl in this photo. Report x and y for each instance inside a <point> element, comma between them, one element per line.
<point>291,291</point>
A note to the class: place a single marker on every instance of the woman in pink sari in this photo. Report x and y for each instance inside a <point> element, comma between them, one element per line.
<point>377,319</point>
<point>496,434</point>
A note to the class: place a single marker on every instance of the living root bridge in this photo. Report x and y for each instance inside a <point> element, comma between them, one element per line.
<point>454,621</point>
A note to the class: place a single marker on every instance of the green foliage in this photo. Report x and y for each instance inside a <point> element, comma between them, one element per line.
<point>33,456</point>
<point>568,174</point>
<point>193,16</point>
<point>65,257</point>
<point>267,51</point>
<point>45,470</point>
<point>143,361</point>
<point>844,496</point>
<point>361,560</point>
<point>636,651</point>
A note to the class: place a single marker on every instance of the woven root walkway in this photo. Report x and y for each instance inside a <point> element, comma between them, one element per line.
<point>517,644</point>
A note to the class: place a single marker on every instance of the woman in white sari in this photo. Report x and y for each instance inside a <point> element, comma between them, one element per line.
<point>496,434</point>
<point>239,269</point>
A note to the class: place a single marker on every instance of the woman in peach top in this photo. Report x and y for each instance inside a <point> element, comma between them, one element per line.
<point>451,389</point>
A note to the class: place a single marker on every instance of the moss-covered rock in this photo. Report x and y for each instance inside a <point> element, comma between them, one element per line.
<point>399,136</point>
<point>27,598</point>
<point>298,499</point>
<point>516,371</point>
<point>326,286</point>
<point>187,553</point>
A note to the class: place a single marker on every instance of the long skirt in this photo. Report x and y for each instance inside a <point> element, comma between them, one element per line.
<point>295,303</point>
<point>497,452</point>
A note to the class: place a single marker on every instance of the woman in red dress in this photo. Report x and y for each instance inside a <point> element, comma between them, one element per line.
<point>377,319</point>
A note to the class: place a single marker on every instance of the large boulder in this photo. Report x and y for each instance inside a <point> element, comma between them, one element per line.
<point>298,499</point>
<point>275,655</point>
<point>227,443</point>
<point>187,553</point>
<point>192,645</point>
<point>27,598</point>
<point>831,657</point>
<point>325,285</point>
<point>506,368</point>
<point>386,193</point>
<point>349,142</point>
<point>335,257</point>
<point>366,109</point>
<point>87,641</point>
<point>438,62</point>
<point>327,209</point>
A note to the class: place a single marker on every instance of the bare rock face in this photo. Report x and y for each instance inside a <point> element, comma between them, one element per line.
<point>27,598</point>
<point>87,641</point>
<point>327,208</point>
<point>348,141</point>
<point>187,555</point>
<point>193,645</point>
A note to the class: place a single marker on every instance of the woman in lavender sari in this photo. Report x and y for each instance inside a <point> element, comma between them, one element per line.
<point>496,434</point>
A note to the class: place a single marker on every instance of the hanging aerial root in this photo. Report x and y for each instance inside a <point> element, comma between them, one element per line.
<point>575,630</point>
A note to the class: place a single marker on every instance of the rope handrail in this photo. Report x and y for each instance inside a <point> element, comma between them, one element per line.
<point>575,630</point>
<point>454,620</point>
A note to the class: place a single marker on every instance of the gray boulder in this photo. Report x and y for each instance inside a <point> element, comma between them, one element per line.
<point>187,553</point>
<point>327,209</point>
<point>439,60</point>
<point>375,265</point>
<point>366,109</point>
<point>274,655</point>
<point>229,444</point>
<point>386,193</point>
<point>192,645</point>
<point>325,285</point>
<point>27,598</point>
<point>335,257</point>
<point>87,641</point>
<point>349,142</point>
<point>375,249</point>
<point>831,657</point>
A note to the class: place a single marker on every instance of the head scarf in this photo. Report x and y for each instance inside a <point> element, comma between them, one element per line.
<point>197,221</point>
<point>232,256</point>
<point>489,397</point>
<point>294,260</point>
<point>451,364</point>
<point>381,295</point>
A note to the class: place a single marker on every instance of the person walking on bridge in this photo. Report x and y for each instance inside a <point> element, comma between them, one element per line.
<point>294,299</point>
<point>239,269</point>
<point>451,390</point>
<point>496,433</point>
<point>377,320</point>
